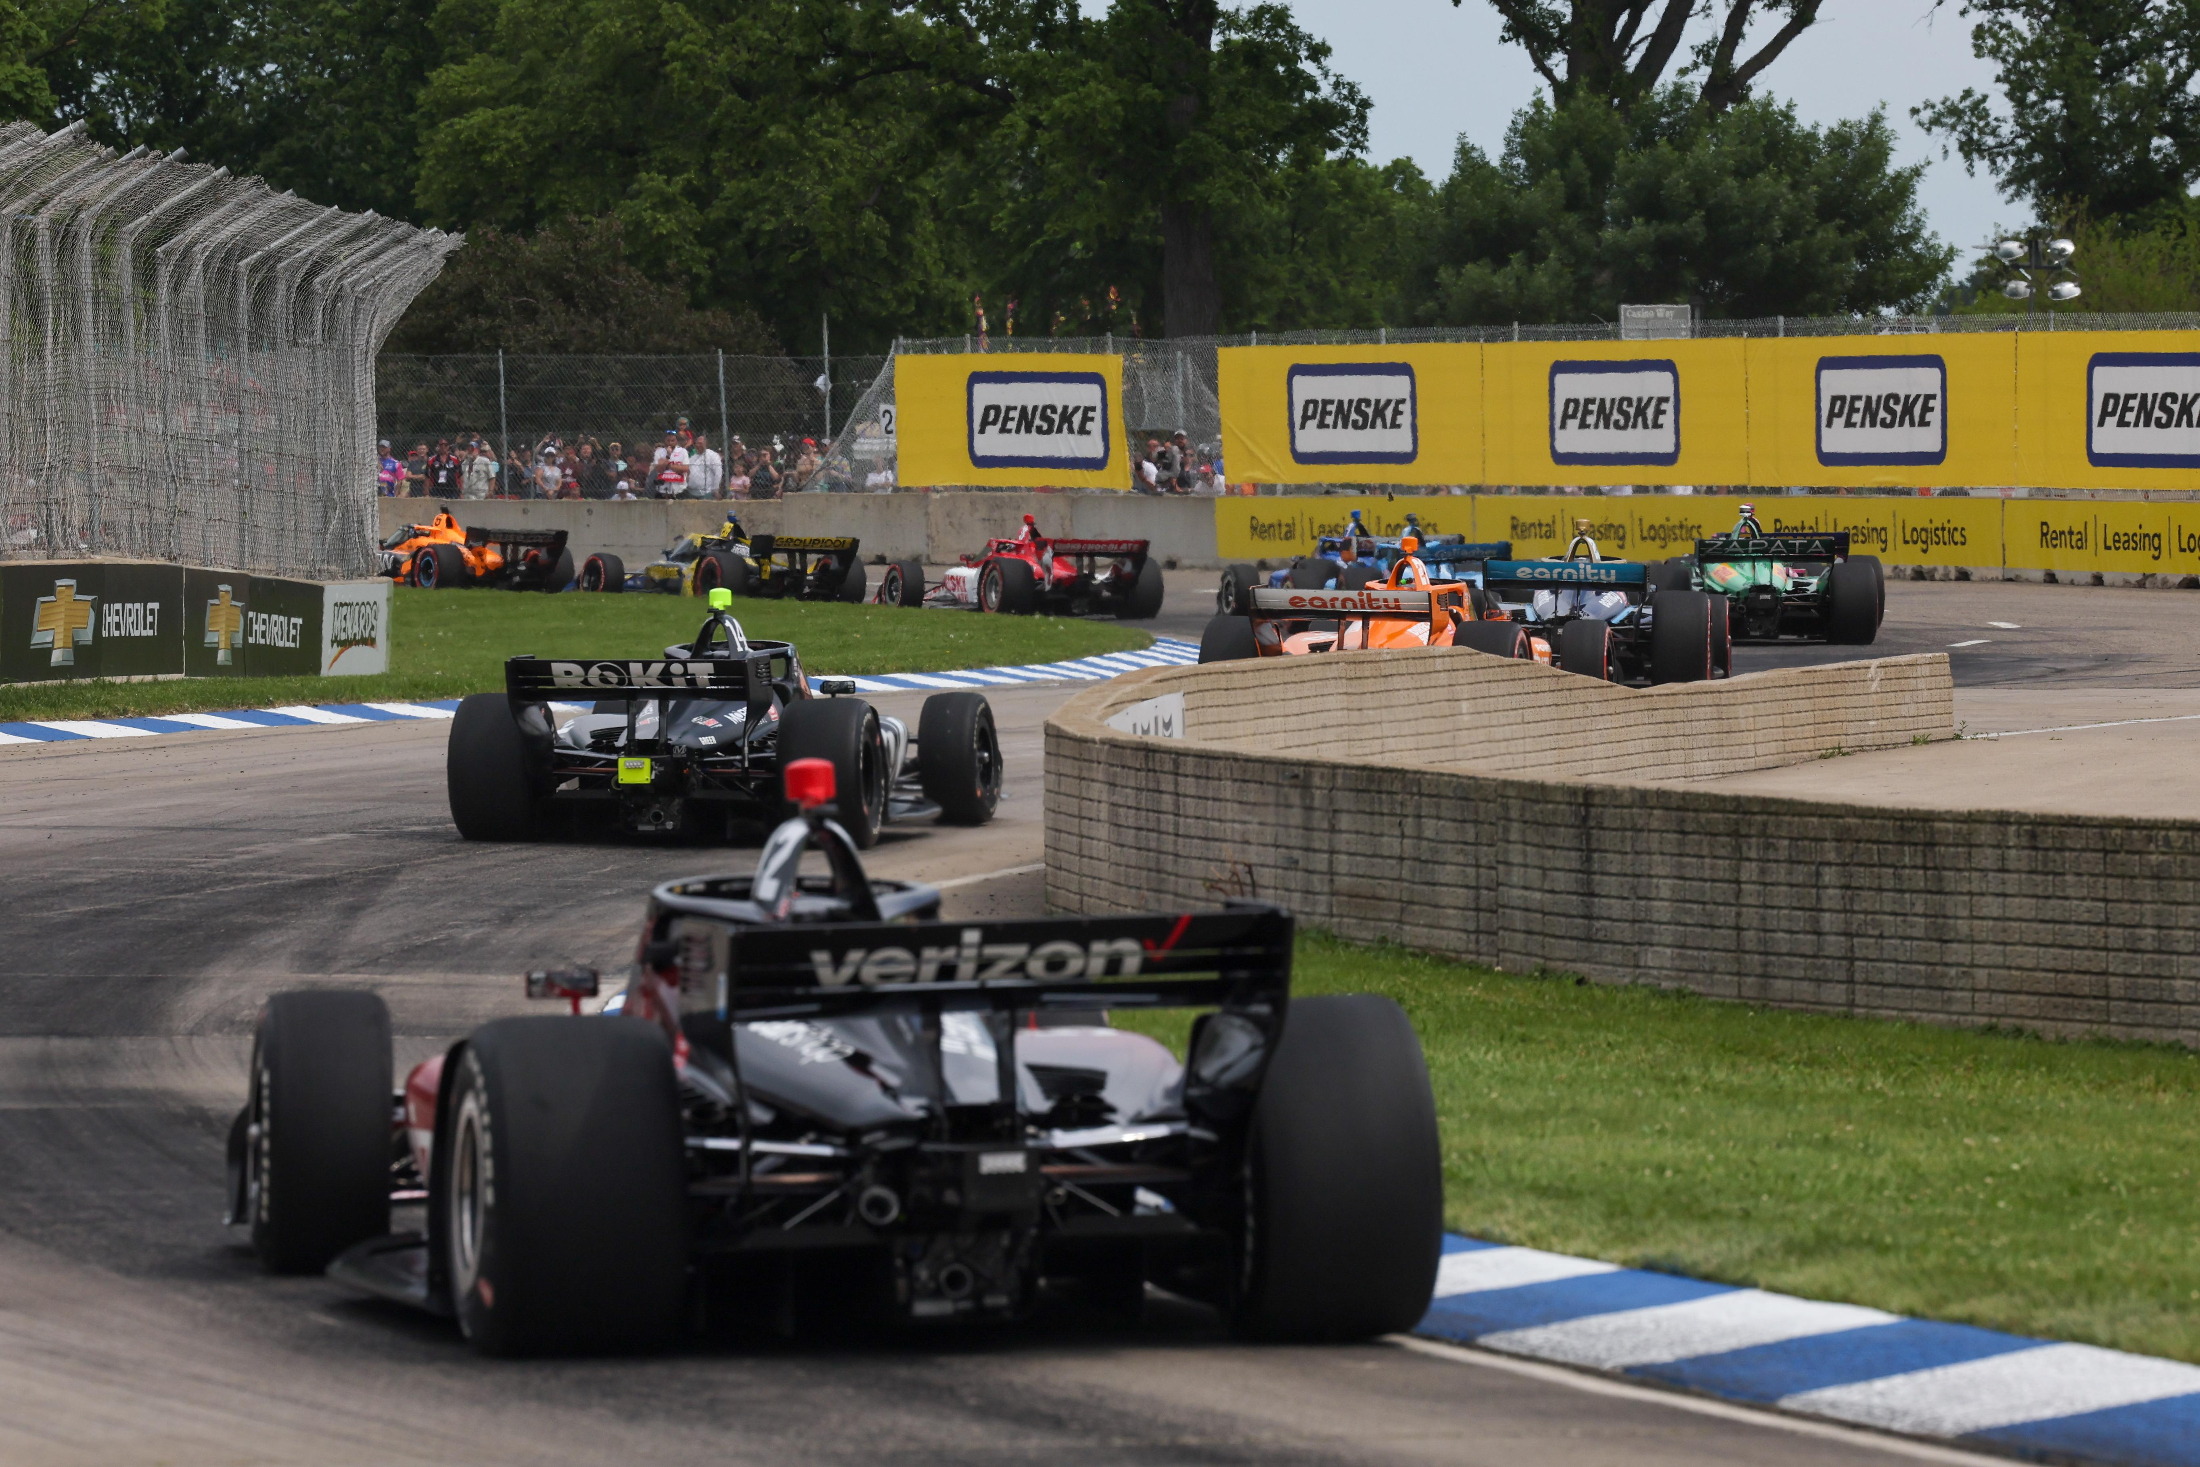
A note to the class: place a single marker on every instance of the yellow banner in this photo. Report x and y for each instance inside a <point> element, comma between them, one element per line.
<point>2086,535</point>
<point>1616,412</point>
<point>1883,412</point>
<point>1011,421</point>
<point>1352,414</point>
<point>1282,527</point>
<point>2109,409</point>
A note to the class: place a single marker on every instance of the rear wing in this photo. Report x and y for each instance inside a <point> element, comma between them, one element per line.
<point>538,679</point>
<point>1238,959</point>
<point>810,542</point>
<point>550,540</point>
<point>1275,601</point>
<point>1445,552</point>
<point>1608,573</point>
<point>1098,547</point>
<point>1809,545</point>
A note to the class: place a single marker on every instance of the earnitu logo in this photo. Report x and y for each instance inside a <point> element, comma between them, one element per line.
<point>224,626</point>
<point>63,623</point>
<point>1354,413</point>
<point>1038,420</point>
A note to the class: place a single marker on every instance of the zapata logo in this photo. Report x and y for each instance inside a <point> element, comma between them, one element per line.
<point>63,623</point>
<point>224,627</point>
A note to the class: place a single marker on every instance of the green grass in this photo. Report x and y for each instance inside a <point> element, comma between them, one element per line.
<point>447,643</point>
<point>2022,1184</point>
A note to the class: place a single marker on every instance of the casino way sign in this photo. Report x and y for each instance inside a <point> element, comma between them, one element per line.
<point>1010,421</point>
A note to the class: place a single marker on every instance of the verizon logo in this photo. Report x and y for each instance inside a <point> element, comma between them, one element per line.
<point>972,959</point>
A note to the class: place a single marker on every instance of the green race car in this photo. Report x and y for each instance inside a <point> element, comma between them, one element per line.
<point>1801,586</point>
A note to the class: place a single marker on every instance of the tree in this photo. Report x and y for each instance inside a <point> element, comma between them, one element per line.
<point>568,287</point>
<point>1621,50</point>
<point>1745,213</point>
<point>2100,113</point>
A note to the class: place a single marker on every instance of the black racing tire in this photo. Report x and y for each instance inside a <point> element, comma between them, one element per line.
<point>1344,1191</point>
<point>439,567</point>
<point>1482,602</point>
<point>1680,637</point>
<point>1852,604</point>
<point>902,585</point>
<point>845,733</point>
<point>1356,575</point>
<point>853,584</point>
<point>1007,587</point>
<point>959,757</point>
<point>490,771</point>
<point>1312,573</point>
<point>603,572</point>
<point>1722,633</point>
<point>317,1141</point>
<point>561,572</point>
<point>1143,603</point>
<point>560,1206</point>
<point>1227,638</point>
<point>1671,574</point>
<point>1585,647</point>
<point>1498,638</point>
<point>715,568</point>
<point>1235,594</point>
<point>1879,577</point>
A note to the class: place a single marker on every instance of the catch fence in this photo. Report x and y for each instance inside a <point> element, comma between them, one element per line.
<point>187,361</point>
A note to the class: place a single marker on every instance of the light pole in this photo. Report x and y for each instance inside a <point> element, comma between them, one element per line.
<point>2030,263</point>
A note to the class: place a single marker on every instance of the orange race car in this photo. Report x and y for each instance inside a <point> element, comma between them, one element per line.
<point>1406,610</point>
<point>443,553</point>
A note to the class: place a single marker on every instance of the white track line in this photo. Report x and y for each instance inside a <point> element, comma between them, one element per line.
<point>2002,1390</point>
<point>1509,1268</point>
<point>412,710</point>
<point>314,715</point>
<point>1561,1375</point>
<point>2075,727</point>
<point>210,720</point>
<point>1976,642</point>
<point>1004,872</point>
<point>1708,1326</point>
<point>92,729</point>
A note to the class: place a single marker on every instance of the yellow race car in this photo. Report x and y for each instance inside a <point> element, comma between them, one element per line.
<point>805,567</point>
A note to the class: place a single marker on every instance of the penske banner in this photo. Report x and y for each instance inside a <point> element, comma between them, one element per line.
<point>1012,420</point>
<point>1984,410</point>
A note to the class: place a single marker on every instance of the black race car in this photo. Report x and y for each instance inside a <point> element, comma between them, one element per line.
<point>816,1094</point>
<point>690,744</point>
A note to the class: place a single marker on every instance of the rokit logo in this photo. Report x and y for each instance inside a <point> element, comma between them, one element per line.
<point>1882,410</point>
<point>1615,413</point>
<point>2143,410</point>
<point>1354,413</point>
<point>974,960</point>
<point>632,674</point>
<point>1038,420</point>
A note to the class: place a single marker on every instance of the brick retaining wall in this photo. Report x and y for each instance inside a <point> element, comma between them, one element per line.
<point>2058,923</point>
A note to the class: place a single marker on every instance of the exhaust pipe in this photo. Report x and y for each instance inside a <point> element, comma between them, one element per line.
<point>878,1206</point>
<point>956,1281</point>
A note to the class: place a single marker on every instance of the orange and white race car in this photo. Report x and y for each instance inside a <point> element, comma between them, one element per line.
<point>444,553</point>
<point>1408,609</point>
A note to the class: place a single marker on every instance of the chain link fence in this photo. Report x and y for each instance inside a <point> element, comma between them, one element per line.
<point>188,362</point>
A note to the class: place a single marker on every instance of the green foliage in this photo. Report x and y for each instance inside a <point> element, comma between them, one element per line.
<point>1745,212</point>
<point>444,644</point>
<point>2097,110</point>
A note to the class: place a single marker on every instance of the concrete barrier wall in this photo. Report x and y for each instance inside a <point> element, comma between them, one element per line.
<point>2060,924</point>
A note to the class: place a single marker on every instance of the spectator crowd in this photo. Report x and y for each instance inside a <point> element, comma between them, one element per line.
<point>1174,466</point>
<point>684,465</point>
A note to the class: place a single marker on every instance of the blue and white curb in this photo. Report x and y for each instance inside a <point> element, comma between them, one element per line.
<point>1839,1362</point>
<point>1165,652</point>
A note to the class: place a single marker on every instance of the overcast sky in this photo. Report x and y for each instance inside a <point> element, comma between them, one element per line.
<point>1435,71</point>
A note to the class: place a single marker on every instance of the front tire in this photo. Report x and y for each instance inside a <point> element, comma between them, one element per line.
<point>489,771</point>
<point>438,567</point>
<point>561,572</point>
<point>845,732</point>
<point>604,572</point>
<point>1227,638</point>
<point>852,585</point>
<point>716,568</point>
<point>561,1199</point>
<point>959,757</point>
<point>1143,601</point>
<point>1008,587</point>
<point>902,585</point>
<point>1344,1199</point>
<point>317,1140</point>
<point>1235,594</point>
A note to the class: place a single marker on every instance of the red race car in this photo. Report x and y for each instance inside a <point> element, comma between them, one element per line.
<point>1032,573</point>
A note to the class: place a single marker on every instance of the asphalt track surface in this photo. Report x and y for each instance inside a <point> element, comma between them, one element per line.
<point>159,889</point>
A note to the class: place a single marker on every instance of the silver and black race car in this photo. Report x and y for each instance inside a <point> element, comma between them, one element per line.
<point>815,1095</point>
<point>690,744</point>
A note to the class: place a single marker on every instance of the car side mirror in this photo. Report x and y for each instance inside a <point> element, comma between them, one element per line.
<point>836,687</point>
<point>571,984</point>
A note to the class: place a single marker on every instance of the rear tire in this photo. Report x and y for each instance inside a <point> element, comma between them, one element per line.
<point>1344,1184</point>
<point>1852,604</point>
<point>439,567</point>
<point>490,771</point>
<point>1143,603</point>
<point>561,1198</point>
<point>1498,638</point>
<point>959,757</point>
<point>1680,637</point>
<point>604,572</point>
<point>1312,573</point>
<point>1356,575</point>
<point>853,584</point>
<point>1879,578</point>
<point>1227,638</point>
<point>902,585</point>
<point>1671,575</point>
<point>1585,647</point>
<point>1722,634</point>
<point>715,568</point>
<point>845,732</point>
<point>1007,587</point>
<point>317,1170</point>
<point>1235,594</point>
<point>561,572</point>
